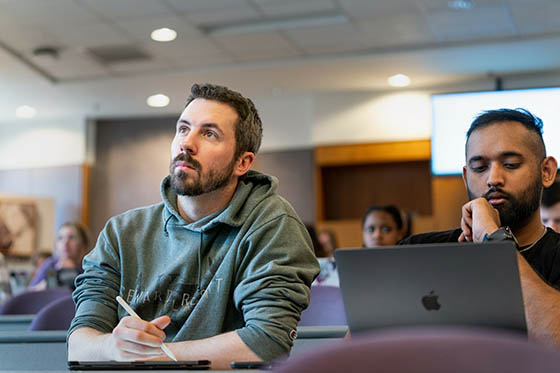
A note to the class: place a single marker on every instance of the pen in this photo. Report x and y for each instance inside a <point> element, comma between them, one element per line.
<point>133,314</point>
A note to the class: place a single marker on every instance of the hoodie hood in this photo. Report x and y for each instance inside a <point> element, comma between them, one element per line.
<point>255,184</point>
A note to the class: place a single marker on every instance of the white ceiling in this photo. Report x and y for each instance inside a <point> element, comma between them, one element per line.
<point>425,39</point>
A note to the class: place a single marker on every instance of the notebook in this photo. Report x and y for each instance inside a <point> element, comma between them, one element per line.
<point>453,284</point>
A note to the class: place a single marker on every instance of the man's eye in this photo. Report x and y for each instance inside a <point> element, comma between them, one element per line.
<point>370,229</point>
<point>211,134</point>
<point>182,129</point>
<point>478,169</point>
<point>511,166</point>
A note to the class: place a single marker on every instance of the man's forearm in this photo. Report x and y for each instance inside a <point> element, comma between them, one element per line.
<point>88,344</point>
<point>221,350</point>
<point>542,305</point>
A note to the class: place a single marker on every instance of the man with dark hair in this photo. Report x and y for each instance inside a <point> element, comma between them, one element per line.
<point>550,207</point>
<point>219,270</point>
<point>505,172</point>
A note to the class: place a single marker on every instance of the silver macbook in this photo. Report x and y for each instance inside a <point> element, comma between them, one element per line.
<point>435,284</point>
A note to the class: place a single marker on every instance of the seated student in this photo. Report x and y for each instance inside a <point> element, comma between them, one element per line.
<point>550,206</point>
<point>505,172</point>
<point>60,269</point>
<point>223,264</point>
<point>328,241</point>
<point>381,226</point>
<point>328,276</point>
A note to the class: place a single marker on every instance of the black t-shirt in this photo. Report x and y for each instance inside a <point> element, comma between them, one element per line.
<point>543,256</point>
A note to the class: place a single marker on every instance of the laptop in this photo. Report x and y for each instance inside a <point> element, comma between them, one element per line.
<point>452,284</point>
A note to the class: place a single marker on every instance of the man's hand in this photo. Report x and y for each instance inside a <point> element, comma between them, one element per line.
<point>136,339</point>
<point>479,218</point>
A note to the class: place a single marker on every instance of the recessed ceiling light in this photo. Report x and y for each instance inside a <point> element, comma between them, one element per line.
<point>460,4</point>
<point>399,80</point>
<point>25,111</point>
<point>164,34</point>
<point>159,100</point>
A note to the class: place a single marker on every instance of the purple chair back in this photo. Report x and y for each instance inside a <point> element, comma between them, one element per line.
<point>325,307</point>
<point>56,315</point>
<point>433,350</point>
<point>30,302</point>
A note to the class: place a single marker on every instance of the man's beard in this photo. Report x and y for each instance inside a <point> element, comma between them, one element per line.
<point>200,183</point>
<point>515,212</point>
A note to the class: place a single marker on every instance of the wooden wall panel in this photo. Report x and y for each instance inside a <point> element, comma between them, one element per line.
<point>402,151</point>
<point>449,196</point>
<point>348,191</point>
<point>351,177</point>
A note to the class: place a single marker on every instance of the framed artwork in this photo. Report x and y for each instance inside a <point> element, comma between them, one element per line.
<point>18,227</point>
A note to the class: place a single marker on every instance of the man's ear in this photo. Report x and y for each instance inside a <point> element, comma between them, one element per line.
<point>244,163</point>
<point>465,176</point>
<point>549,166</point>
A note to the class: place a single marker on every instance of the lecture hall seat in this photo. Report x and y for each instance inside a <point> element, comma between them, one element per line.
<point>429,350</point>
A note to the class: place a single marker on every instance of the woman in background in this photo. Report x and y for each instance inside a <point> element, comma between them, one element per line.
<point>59,270</point>
<point>382,226</point>
<point>325,245</point>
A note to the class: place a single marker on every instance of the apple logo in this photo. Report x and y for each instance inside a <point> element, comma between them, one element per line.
<point>430,301</point>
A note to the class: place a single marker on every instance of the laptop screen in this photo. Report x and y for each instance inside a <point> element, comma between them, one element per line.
<point>454,284</point>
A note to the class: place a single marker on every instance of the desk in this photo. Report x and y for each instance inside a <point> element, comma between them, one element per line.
<point>15,322</point>
<point>312,337</point>
<point>37,350</point>
<point>46,350</point>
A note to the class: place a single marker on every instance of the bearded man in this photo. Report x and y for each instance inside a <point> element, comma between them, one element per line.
<point>220,270</point>
<point>505,172</point>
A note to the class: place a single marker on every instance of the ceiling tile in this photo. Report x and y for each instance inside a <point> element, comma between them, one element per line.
<point>488,19</point>
<point>366,9</point>
<point>119,9</point>
<point>275,8</point>
<point>223,16</point>
<point>257,46</point>
<point>71,64</point>
<point>149,66</point>
<point>535,16</point>
<point>327,39</point>
<point>40,12</point>
<point>90,35</point>
<point>195,60</point>
<point>185,48</point>
<point>215,5</point>
<point>25,38</point>
<point>397,30</point>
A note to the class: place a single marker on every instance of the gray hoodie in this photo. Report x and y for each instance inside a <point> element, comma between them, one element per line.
<point>247,268</point>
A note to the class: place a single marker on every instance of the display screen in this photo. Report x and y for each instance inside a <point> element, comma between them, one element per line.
<point>453,113</point>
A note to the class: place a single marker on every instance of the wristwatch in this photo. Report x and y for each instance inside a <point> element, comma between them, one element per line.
<point>502,234</point>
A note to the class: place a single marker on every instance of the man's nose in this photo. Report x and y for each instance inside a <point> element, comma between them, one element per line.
<point>495,176</point>
<point>188,143</point>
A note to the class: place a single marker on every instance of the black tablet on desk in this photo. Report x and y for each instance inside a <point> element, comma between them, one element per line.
<point>139,365</point>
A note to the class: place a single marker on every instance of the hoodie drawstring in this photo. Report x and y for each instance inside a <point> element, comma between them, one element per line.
<point>165,225</point>
<point>199,262</point>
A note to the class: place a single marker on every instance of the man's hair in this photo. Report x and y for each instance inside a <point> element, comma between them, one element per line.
<point>519,115</point>
<point>248,129</point>
<point>390,209</point>
<point>551,195</point>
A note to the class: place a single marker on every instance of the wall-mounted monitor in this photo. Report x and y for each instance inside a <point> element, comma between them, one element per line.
<point>453,113</point>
